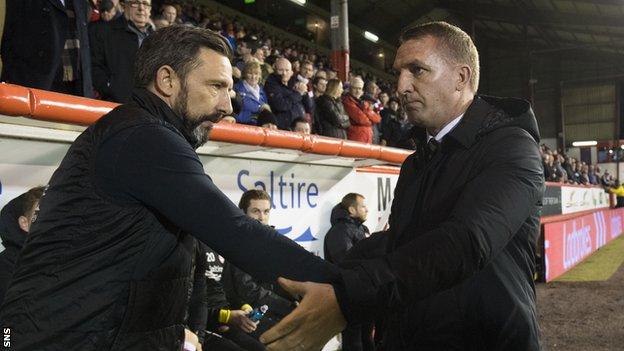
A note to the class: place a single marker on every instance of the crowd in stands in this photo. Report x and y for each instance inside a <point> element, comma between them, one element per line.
<point>278,84</point>
<point>562,168</point>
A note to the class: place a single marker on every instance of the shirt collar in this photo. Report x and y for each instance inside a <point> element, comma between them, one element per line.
<point>447,128</point>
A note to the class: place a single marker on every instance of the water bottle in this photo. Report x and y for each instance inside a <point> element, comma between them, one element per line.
<point>257,313</point>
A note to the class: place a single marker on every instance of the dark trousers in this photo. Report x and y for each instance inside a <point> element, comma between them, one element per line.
<point>232,340</point>
<point>358,337</point>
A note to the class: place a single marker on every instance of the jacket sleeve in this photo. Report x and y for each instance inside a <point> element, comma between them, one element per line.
<point>99,68</point>
<point>326,112</point>
<point>251,292</point>
<point>478,229</point>
<point>357,116</point>
<point>155,167</point>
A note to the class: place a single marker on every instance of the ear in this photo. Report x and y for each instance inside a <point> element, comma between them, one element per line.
<point>464,73</point>
<point>167,82</point>
<point>352,211</point>
<point>24,223</point>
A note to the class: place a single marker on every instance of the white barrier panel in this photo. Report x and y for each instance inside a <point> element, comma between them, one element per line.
<point>578,198</point>
<point>303,194</point>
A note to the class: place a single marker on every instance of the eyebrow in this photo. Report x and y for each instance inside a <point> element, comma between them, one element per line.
<point>412,63</point>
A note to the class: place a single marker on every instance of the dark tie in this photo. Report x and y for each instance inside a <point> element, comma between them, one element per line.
<point>432,147</point>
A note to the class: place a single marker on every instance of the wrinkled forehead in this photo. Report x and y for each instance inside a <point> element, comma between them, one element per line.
<point>418,50</point>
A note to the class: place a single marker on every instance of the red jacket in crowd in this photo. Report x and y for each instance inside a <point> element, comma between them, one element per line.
<point>362,118</point>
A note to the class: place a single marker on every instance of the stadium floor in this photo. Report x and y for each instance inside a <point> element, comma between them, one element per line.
<point>584,309</point>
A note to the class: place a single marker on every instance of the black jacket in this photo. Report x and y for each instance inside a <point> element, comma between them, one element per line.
<point>107,264</point>
<point>345,232</point>
<point>241,288</point>
<point>286,103</point>
<point>332,119</point>
<point>13,238</point>
<point>458,270</point>
<point>33,39</point>
<point>113,51</point>
<point>394,131</point>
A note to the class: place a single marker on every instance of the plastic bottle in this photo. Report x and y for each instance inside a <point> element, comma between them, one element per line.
<point>257,313</point>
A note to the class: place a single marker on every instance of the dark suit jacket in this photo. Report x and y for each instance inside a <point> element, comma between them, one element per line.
<point>33,39</point>
<point>113,51</point>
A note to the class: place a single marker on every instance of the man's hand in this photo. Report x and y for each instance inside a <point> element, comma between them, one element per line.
<point>239,318</point>
<point>316,320</point>
<point>191,342</point>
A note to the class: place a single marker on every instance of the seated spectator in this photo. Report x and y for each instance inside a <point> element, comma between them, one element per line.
<point>114,47</point>
<point>211,317</point>
<point>332,119</point>
<point>241,288</point>
<point>361,114</point>
<point>550,172</point>
<point>396,128</point>
<point>15,220</point>
<point>286,103</point>
<point>266,119</point>
<point>593,179</point>
<point>247,47</point>
<point>252,94</point>
<point>45,45</point>
<point>160,22</point>
<point>301,125</point>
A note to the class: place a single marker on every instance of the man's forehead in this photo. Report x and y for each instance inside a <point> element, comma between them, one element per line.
<point>414,51</point>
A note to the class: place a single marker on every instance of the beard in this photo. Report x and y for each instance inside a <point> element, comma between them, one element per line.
<point>193,124</point>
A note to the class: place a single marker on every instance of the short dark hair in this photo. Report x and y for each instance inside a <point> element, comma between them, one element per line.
<point>30,199</point>
<point>350,200</point>
<point>457,44</point>
<point>317,79</point>
<point>176,46</point>
<point>253,194</point>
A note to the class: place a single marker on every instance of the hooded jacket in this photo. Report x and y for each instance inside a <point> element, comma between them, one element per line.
<point>13,238</point>
<point>458,270</point>
<point>108,264</point>
<point>345,232</point>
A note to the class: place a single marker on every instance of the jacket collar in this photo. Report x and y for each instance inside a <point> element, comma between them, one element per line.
<point>156,107</point>
<point>466,131</point>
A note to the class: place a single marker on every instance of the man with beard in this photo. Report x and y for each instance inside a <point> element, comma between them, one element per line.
<point>108,264</point>
<point>457,272</point>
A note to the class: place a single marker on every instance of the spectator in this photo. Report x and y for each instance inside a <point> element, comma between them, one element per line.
<point>160,22</point>
<point>15,220</point>
<point>330,114</point>
<point>266,119</point>
<point>286,103</point>
<point>253,97</point>
<point>240,287</point>
<point>45,45</point>
<point>550,172</point>
<point>396,130</point>
<point>593,179</point>
<point>108,11</point>
<point>301,125</point>
<point>561,173</point>
<point>114,48</point>
<point>169,13</point>
<point>384,99</point>
<point>347,220</point>
<point>227,329</point>
<point>319,84</point>
<point>361,114</point>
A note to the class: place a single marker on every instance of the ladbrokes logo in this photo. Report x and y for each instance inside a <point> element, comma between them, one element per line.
<point>576,244</point>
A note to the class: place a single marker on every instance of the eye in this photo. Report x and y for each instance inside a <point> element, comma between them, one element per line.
<point>416,70</point>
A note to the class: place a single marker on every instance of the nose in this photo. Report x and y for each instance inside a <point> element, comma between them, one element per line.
<point>404,85</point>
<point>224,105</point>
